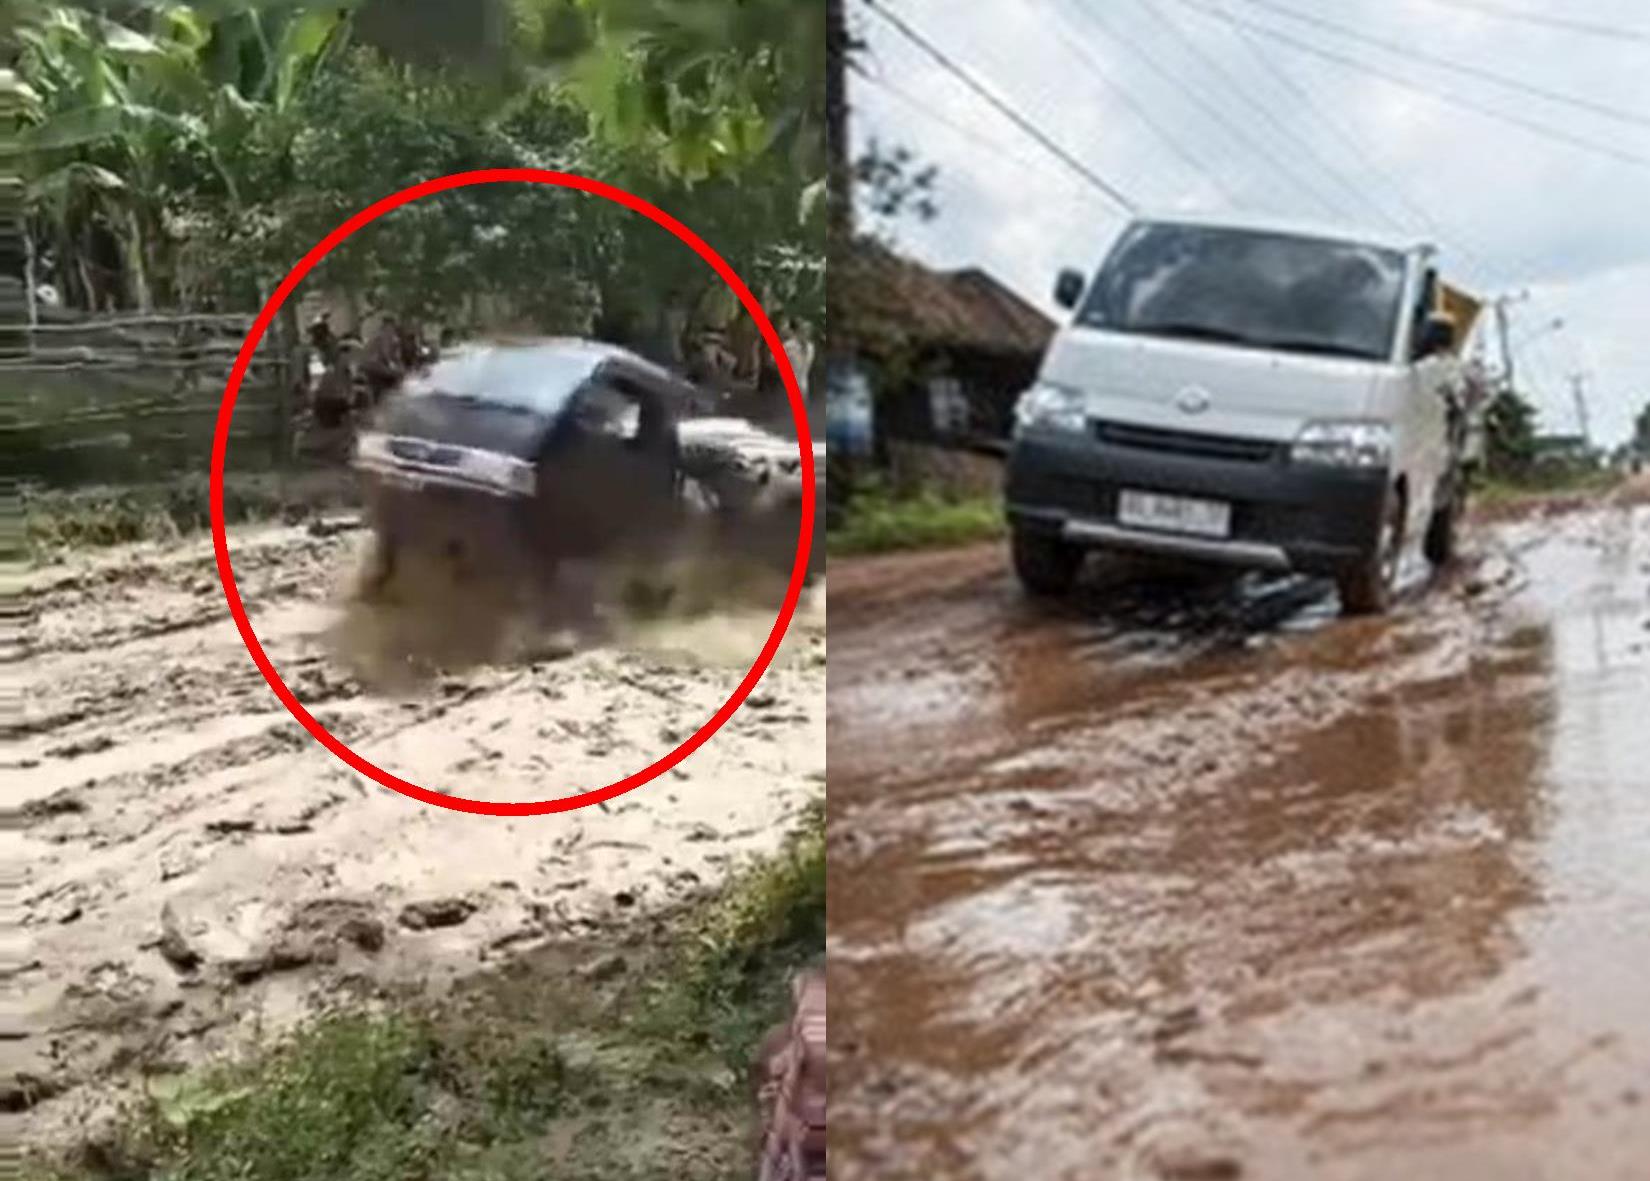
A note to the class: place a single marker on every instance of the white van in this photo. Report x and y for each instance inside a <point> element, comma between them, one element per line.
<point>1269,397</point>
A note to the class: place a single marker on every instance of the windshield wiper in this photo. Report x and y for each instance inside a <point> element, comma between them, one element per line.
<point>473,399</point>
<point>1326,348</point>
<point>1194,332</point>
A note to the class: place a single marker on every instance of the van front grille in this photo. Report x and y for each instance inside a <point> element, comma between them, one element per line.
<point>423,451</point>
<point>1142,438</point>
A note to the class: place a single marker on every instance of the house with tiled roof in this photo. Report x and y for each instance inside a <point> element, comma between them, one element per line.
<point>946,352</point>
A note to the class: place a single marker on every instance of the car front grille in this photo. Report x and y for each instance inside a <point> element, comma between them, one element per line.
<point>419,451</point>
<point>1141,438</point>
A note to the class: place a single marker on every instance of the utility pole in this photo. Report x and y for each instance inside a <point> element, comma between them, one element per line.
<point>839,171</point>
<point>1505,332</point>
<point>839,184</point>
<point>1578,385</point>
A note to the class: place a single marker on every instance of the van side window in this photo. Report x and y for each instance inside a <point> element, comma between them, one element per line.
<point>655,424</point>
<point>1426,303</point>
<point>606,411</point>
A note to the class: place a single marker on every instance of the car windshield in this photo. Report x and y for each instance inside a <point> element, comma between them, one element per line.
<point>540,380</point>
<point>1250,289</point>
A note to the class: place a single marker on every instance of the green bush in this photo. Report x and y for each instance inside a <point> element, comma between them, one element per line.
<point>878,522</point>
<point>735,965</point>
<point>478,1086</point>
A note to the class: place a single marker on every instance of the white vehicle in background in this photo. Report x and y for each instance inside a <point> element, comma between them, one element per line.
<point>1267,397</point>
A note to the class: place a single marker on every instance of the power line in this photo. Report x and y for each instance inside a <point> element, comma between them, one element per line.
<point>1545,130</point>
<point>1414,53</point>
<point>962,130</point>
<point>1500,12</point>
<point>1065,33</point>
<point>901,26</point>
<point>1346,139</point>
<point>1350,142</point>
<point>1210,109</point>
<point>1214,66</point>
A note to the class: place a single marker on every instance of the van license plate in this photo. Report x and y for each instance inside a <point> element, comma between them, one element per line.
<point>1178,514</point>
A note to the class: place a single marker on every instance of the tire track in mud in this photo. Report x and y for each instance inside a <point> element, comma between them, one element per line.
<point>197,867</point>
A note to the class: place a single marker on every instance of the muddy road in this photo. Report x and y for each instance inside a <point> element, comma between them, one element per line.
<point>1194,881</point>
<point>194,868</point>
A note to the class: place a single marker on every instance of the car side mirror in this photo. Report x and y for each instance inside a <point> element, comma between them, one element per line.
<point>1068,288</point>
<point>1437,336</point>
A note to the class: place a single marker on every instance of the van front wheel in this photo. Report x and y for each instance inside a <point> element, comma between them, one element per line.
<point>377,568</point>
<point>1368,587</point>
<point>1045,565</point>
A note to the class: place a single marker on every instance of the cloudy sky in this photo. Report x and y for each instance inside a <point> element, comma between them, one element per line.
<point>1182,108</point>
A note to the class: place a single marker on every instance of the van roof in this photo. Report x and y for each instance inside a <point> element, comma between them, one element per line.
<point>539,372</point>
<point>1338,231</point>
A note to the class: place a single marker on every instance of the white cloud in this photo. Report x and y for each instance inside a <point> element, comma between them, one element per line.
<point>1518,211</point>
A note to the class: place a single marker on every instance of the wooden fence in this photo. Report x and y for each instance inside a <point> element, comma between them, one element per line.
<point>135,398</point>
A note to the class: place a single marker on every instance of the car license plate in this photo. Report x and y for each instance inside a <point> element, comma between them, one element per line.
<point>1178,514</point>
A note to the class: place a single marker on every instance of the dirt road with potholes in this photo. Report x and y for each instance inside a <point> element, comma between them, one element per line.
<point>194,867</point>
<point>1195,881</point>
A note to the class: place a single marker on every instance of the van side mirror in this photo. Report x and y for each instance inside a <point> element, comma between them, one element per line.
<point>1437,336</point>
<point>1068,288</point>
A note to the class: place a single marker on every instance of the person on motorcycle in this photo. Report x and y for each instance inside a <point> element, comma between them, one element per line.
<point>334,394</point>
<point>383,365</point>
<point>322,339</point>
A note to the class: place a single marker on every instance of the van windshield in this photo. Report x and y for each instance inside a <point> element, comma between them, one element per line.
<point>1250,289</point>
<point>539,380</point>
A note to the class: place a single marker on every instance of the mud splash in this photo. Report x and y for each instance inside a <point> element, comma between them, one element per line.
<point>711,582</point>
<point>1177,889</point>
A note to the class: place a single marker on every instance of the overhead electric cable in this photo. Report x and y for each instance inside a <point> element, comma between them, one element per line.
<point>973,134</point>
<point>1279,167</point>
<point>1214,66</point>
<point>1066,34</point>
<point>1412,52</point>
<point>1545,130</point>
<point>952,67</point>
<point>1568,24</point>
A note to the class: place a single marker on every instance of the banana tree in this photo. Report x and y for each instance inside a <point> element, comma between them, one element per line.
<point>80,127</point>
<point>128,119</point>
<point>712,109</point>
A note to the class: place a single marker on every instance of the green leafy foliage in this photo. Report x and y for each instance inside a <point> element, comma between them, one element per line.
<point>703,87</point>
<point>1510,426</point>
<point>878,521</point>
<point>733,968</point>
<point>193,152</point>
<point>353,1095</point>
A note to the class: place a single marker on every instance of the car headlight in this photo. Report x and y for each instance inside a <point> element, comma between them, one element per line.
<point>523,478</point>
<point>1055,407</point>
<point>1344,444</point>
<point>503,471</point>
<point>372,446</point>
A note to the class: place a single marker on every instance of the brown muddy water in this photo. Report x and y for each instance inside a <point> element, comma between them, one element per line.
<point>1194,881</point>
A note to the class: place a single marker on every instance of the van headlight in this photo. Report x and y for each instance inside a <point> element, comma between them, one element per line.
<point>503,471</point>
<point>373,447</point>
<point>1054,407</point>
<point>1344,444</point>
